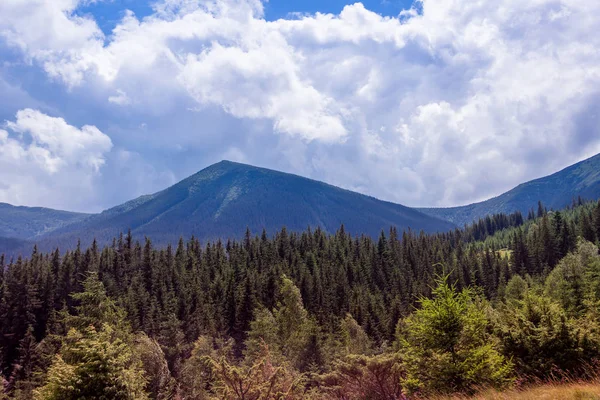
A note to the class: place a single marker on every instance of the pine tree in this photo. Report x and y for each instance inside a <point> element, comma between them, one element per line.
<point>446,346</point>
<point>291,318</point>
<point>94,364</point>
<point>596,219</point>
<point>23,378</point>
<point>353,337</point>
<point>96,359</point>
<point>586,228</point>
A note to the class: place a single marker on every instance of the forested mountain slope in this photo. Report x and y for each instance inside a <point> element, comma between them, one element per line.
<point>223,199</point>
<point>554,191</point>
<point>30,222</point>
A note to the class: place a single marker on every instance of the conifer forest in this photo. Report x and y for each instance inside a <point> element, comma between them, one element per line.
<point>508,300</point>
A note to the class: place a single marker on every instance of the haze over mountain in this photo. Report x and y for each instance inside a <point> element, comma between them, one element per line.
<point>555,191</point>
<point>222,200</point>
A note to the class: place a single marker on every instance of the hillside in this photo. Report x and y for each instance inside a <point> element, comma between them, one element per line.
<point>8,245</point>
<point>554,191</point>
<point>30,222</point>
<point>223,199</point>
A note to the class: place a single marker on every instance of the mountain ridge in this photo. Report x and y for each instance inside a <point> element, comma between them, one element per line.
<point>223,199</point>
<point>20,222</point>
<point>555,191</point>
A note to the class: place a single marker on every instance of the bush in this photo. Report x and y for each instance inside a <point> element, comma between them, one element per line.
<point>542,341</point>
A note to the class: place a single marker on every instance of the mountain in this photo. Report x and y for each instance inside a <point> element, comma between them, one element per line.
<point>31,222</point>
<point>225,198</point>
<point>555,191</point>
<point>11,245</point>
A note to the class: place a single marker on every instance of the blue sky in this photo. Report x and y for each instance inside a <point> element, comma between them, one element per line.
<point>448,103</point>
<point>276,9</point>
<point>109,13</point>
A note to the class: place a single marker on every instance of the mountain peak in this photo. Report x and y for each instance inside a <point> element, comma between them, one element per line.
<point>223,199</point>
<point>226,165</point>
<point>226,162</point>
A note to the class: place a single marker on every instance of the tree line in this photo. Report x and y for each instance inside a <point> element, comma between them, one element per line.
<point>306,314</point>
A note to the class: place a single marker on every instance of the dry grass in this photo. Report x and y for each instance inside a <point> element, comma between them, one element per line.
<point>550,391</point>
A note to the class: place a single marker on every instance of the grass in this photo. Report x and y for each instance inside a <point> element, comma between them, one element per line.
<point>549,391</point>
<point>504,253</point>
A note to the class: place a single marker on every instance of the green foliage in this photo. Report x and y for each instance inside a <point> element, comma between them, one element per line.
<point>365,377</point>
<point>446,346</point>
<point>160,384</point>
<point>96,359</point>
<point>542,340</point>
<point>291,319</point>
<point>264,379</point>
<point>325,306</point>
<point>95,308</point>
<point>263,331</point>
<point>287,332</point>
<point>572,281</point>
<point>198,376</point>
<point>354,338</point>
<point>516,288</point>
<point>94,365</point>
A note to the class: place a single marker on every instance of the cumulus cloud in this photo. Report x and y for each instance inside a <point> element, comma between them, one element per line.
<point>44,160</point>
<point>451,104</point>
<point>50,33</point>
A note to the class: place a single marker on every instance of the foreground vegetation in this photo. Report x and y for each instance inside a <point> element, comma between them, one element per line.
<point>499,304</point>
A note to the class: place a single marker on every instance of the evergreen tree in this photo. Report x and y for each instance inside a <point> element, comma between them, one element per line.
<point>446,345</point>
<point>94,365</point>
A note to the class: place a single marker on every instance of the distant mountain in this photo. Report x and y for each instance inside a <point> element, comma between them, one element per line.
<point>555,191</point>
<point>223,199</point>
<point>10,245</point>
<point>31,222</point>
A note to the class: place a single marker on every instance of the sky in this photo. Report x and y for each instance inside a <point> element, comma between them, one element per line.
<point>426,103</point>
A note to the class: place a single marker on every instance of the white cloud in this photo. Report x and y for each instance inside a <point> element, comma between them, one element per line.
<point>61,143</point>
<point>475,96</point>
<point>120,98</point>
<point>50,33</point>
<point>262,83</point>
<point>46,161</point>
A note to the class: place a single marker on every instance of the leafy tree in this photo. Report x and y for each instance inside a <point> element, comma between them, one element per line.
<point>25,377</point>
<point>291,319</point>
<point>193,301</point>
<point>95,308</point>
<point>570,283</point>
